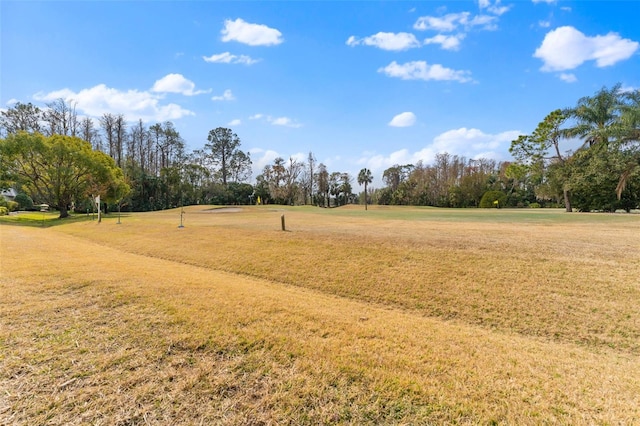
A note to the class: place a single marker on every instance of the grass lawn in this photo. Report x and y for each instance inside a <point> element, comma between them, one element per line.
<point>389,316</point>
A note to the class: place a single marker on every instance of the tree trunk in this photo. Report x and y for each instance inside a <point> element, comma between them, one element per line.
<point>63,212</point>
<point>365,196</point>
<point>567,200</point>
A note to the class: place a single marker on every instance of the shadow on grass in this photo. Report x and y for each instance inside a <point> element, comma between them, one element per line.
<point>51,219</point>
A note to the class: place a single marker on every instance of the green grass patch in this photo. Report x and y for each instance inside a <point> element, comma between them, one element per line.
<point>504,215</point>
<point>52,218</point>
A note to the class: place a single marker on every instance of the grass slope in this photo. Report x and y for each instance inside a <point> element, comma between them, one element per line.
<point>388,319</point>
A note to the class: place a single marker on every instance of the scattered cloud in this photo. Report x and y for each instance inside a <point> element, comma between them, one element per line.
<point>261,158</point>
<point>627,89</point>
<point>469,143</point>
<point>544,1</point>
<point>566,8</point>
<point>176,83</point>
<point>387,41</point>
<point>12,101</point>
<point>453,21</point>
<point>486,22</point>
<point>226,96</point>
<point>235,122</point>
<point>404,119</point>
<point>567,48</point>
<point>284,121</point>
<point>568,77</point>
<point>473,142</point>
<point>133,104</point>
<point>446,42</point>
<point>251,34</point>
<point>265,157</point>
<point>276,121</point>
<point>378,162</point>
<point>447,23</point>
<point>228,58</point>
<point>420,70</point>
<point>460,22</point>
<point>544,24</point>
<point>494,8</point>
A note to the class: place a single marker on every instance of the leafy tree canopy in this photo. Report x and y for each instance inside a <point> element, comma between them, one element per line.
<point>59,170</point>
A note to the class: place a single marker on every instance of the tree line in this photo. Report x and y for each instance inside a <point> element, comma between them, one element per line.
<point>603,171</point>
<point>150,169</point>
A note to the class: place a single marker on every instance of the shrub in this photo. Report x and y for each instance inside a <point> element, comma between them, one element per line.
<point>3,211</point>
<point>490,197</point>
<point>24,201</point>
<point>9,205</point>
<point>534,205</point>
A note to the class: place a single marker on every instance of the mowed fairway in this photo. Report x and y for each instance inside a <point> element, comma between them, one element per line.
<point>390,316</point>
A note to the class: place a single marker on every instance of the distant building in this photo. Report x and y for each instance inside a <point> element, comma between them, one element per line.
<point>9,194</point>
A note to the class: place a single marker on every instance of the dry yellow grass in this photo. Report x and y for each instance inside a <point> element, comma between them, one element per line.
<point>342,320</point>
<point>571,281</point>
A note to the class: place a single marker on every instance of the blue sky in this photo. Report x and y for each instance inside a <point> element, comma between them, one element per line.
<point>360,84</point>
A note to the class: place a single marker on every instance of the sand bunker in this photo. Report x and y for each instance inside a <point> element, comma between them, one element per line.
<point>223,210</point>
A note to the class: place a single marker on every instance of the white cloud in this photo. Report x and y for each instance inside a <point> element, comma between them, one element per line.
<point>277,121</point>
<point>251,34</point>
<point>495,8</point>
<point>176,83</point>
<point>544,1</point>
<point>469,143</point>
<point>12,101</point>
<point>544,24</point>
<point>452,21</point>
<point>133,104</point>
<point>447,23</point>
<point>485,21</point>
<point>446,42</point>
<point>261,158</point>
<point>378,162</point>
<point>567,48</point>
<point>284,121</point>
<point>228,58</point>
<point>235,122</point>
<point>387,41</point>
<point>420,70</point>
<point>568,77</point>
<point>226,96</point>
<point>404,119</point>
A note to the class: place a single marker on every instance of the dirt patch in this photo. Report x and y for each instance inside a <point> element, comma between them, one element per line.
<point>223,210</point>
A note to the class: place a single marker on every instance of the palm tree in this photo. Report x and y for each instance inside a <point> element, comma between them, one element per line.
<point>628,132</point>
<point>628,129</point>
<point>595,117</point>
<point>365,177</point>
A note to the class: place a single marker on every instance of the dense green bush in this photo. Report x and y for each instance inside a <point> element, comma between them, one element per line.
<point>24,202</point>
<point>3,211</point>
<point>490,197</point>
<point>534,205</point>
